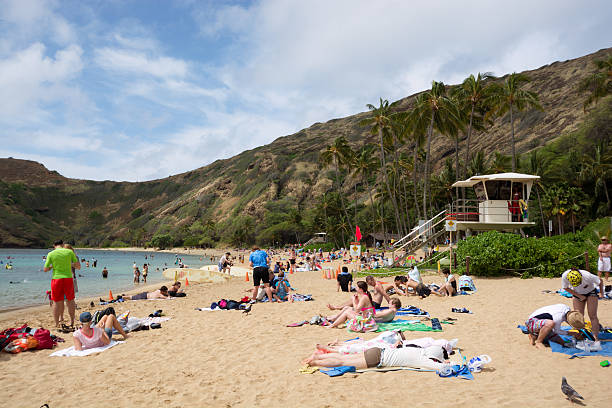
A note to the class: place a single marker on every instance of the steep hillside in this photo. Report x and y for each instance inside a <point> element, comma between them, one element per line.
<point>36,204</point>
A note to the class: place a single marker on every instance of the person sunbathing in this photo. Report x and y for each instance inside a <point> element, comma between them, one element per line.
<point>387,315</point>
<point>432,357</point>
<point>176,291</point>
<point>97,336</point>
<point>361,306</point>
<point>161,293</point>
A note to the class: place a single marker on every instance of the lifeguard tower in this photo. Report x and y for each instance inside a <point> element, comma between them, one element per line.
<point>497,202</point>
<point>500,203</point>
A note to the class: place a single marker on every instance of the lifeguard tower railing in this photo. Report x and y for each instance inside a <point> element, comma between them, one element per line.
<point>490,212</point>
<point>420,235</point>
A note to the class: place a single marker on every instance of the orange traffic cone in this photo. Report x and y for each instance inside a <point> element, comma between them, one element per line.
<point>186,281</point>
<point>323,274</point>
<point>110,294</point>
<point>246,276</point>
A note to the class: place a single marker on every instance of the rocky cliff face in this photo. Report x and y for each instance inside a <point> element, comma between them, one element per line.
<point>37,205</point>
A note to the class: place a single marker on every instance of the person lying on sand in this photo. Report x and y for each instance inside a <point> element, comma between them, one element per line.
<point>362,305</point>
<point>161,293</point>
<point>97,336</point>
<point>175,290</point>
<point>432,357</point>
<point>545,323</point>
<point>388,315</point>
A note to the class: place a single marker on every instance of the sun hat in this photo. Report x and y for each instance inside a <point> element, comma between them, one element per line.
<point>604,238</point>
<point>85,317</point>
<point>575,319</point>
<point>574,277</point>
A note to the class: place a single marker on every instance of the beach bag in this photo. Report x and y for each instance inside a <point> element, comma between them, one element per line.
<point>466,283</point>
<point>21,344</point>
<point>8,335</point>
<point>362,324</point>
<point>43,337</point>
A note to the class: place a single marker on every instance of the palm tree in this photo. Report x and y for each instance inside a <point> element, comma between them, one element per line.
<point>510,96</point>
<point>598,84</point>
<point>500,163</point>
<point>435,107</point>
<point>597,168</point>
<point>364,164</point>
<point>478,165</point>
<point>474,95</point>
<point>381,123</point>
<point>337,153</point>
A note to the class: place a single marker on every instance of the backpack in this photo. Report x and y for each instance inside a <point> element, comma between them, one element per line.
<point>43,336</point>
<point>8,335</point>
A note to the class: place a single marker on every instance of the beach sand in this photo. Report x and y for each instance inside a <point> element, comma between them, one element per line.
<point>227,358</point>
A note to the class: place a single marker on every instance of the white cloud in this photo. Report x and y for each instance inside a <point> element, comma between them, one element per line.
<point>30,17</point>
<point>129,61</point>
<point>29,80</point>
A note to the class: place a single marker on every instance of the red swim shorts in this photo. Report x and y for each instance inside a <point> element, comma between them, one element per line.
<point>60,288</point>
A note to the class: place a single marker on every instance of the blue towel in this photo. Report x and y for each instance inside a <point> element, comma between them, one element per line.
<point>564,293</point>
<point>602,335</point>
<point>337,371</point>
<point>606,349</point>
<point>405,311</point>
<point>461,371</point>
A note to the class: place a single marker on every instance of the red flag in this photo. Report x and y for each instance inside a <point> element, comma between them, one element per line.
<point>357,233</point>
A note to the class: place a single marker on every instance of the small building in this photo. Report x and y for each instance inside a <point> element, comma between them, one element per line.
<point>382,239</point>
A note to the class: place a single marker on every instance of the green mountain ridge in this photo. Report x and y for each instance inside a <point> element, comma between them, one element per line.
<point>38,205</point>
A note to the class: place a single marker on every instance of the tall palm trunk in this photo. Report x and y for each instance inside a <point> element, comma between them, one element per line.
<point>456,166</point>
<point>348,220</point>
<point>407,230</point>
<point>396,189</point>
<point>414,180</point>
<point>384,171</point>
<point>467,144</point>
<point>513,146</point>
<point>427,162</point>
<point>541,212</point>
<point>371,201</point>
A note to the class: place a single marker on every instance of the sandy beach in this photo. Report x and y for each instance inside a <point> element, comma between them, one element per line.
<point>227,358</point>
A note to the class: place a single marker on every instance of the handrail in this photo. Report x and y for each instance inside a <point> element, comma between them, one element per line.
<point>417,228</point>
<point>424,232</point>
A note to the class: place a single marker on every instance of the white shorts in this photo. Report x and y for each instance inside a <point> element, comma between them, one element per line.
<point>603,264</point>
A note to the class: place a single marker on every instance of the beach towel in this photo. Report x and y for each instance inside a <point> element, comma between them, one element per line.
<point>564,293</point>
<point>606,349</point>
<point>71,352</point>
<point>456,370</point>
<point>302,298</point>
<point>407,311</point>
<point>337,371</point>
<point>405,325</point>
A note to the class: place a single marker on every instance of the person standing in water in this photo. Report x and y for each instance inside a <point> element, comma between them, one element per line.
<point>145,272</point>
<point>105,273</point>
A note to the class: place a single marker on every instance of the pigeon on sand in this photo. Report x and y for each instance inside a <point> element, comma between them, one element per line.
<point>569,392</point>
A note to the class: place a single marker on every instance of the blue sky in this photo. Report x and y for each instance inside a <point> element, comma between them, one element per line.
<point>138,90</point>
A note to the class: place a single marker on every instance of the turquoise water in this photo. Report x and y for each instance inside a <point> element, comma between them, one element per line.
<point>30,283</point>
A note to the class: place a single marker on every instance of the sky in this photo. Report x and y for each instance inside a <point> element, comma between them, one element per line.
<point>137,90</point>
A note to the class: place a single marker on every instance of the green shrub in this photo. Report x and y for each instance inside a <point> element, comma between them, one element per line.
<point>327,246</point>
<point>161,241</point>
<point>497,254</point>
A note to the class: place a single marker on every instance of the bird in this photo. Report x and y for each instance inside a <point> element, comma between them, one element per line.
<point>569,392</point>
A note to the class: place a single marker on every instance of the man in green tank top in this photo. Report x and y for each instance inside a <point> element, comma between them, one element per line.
<point>61,260</point>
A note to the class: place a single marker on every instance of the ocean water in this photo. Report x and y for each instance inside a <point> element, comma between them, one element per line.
<point>30,283</point>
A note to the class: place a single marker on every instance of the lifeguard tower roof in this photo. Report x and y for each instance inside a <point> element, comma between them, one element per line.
<point>500,176</point>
